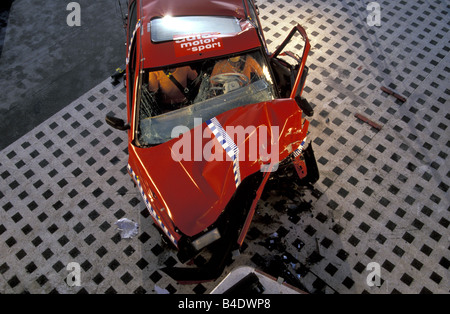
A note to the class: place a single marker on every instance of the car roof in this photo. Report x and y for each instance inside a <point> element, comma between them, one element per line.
<point>159,8</point>
<point>162,54</point>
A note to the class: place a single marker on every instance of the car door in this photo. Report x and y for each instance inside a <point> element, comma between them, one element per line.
<point>290,69</point>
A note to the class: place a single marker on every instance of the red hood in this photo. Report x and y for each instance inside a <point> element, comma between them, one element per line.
<point>196,192</point>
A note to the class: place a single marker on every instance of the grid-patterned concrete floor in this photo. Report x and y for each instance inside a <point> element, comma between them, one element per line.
<point>382,197</point>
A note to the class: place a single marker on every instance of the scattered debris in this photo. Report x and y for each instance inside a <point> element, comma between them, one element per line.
<point>120,72</point>
<point>315,192</point>
<point>160,290</point>
<point>392,93</point>
<point>128,229</point>
<point>284,266</point>
<point>273,242</point>
<point>368,121</point>
<point>289,193</point>
<point>281,264</point>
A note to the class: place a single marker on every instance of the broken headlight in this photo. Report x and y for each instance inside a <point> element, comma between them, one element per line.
<point>206,239</point>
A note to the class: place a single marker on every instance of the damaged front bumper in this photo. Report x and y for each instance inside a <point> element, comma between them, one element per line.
<point>227,234</point>
<point>229,225</point>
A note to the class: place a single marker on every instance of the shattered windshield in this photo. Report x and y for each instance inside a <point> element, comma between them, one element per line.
<point>175,96</point>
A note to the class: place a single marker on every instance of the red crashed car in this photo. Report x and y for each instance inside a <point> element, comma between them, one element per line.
<point>211,115</point>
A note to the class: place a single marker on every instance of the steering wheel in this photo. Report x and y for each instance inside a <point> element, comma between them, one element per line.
<point>230,77</point>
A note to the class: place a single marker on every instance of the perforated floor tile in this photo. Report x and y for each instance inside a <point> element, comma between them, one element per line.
<point>382,196</point>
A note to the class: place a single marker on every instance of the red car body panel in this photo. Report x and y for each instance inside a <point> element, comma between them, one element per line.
<point>196,192</point>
